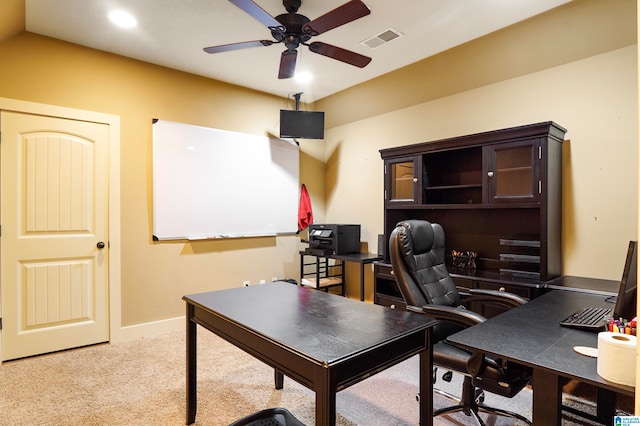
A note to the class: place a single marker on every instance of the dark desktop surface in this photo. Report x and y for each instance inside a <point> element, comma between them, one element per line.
<point>585,285</point>
<point>324,327</point>
<point>531,334</point>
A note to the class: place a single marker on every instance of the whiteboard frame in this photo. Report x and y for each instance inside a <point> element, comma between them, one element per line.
<point>210,183</point>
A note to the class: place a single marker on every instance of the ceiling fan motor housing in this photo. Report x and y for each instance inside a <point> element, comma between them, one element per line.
<point>293,35</point>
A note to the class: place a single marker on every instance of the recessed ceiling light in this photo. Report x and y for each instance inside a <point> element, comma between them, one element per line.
<point>122,19</point>
<point>303,76</point>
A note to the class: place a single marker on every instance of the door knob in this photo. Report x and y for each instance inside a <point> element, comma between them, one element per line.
<point>100,245</point>
<point>490,174</point>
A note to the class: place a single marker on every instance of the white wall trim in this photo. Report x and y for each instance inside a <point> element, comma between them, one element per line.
<point>149,329</point>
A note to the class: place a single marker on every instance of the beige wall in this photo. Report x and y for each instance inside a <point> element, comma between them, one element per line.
<point>592,92</point>
<point>156,275</point>
<point>595,99</point>
<point>12,15</point>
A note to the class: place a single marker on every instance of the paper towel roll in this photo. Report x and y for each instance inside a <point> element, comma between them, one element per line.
<point>617,358</point>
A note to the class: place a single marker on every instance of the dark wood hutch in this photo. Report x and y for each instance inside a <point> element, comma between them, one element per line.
<point>496,193</point>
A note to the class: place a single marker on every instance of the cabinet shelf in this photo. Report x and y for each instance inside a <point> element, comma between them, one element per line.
<point>514,169</point>
<point>456,206</point>
<point>450,187</point>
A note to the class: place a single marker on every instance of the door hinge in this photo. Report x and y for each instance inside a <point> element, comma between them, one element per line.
<point>0,323</point>
<point>539,187</point>
<point>539,153</point>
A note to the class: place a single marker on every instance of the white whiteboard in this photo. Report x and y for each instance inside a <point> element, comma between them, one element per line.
<point>210,183</point>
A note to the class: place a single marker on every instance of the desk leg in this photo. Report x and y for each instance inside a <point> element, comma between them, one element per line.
<point>547,398</point>
<point>606,405</point>
<point>325,401</point>
<point>362,282</point>
<point>426,387</point>
<point>278,378</point>
<point>191,366</point>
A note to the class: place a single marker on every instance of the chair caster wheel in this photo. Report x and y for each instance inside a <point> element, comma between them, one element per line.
<point>447,376</point>
<point>418,397</point>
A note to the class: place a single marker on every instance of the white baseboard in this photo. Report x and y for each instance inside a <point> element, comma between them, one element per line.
<point>149,329</point>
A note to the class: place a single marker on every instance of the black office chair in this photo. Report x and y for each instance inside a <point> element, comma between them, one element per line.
<point>417,250</point>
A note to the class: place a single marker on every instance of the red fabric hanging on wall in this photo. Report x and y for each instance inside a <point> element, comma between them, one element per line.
<point>305,213</point>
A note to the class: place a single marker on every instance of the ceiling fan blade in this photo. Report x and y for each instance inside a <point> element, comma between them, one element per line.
<point>259,14</point>
<point>237,46</point>
<point>340,54</point>
<point>287,64</point>
<point>350,11</point>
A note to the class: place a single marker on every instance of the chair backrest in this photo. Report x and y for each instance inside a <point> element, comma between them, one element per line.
<point>417,250</point>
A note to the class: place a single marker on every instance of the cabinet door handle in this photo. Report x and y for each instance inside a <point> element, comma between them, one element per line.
<point>502,289</point>
<point>415,180</point>
<point>490,174</point>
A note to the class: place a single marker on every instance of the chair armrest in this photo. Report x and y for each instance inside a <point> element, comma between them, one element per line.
<point>508,300</point>
<point>462,317</point>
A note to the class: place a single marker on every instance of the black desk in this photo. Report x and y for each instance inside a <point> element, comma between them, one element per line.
<point>530,334</point>
<point>323,341</point>
<point>361,258</point>
<point>585,285</point>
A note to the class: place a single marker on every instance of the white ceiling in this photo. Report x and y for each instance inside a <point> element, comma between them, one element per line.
<point>172,33</point>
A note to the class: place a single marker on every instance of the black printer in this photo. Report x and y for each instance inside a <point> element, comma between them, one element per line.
<point>333,239</point>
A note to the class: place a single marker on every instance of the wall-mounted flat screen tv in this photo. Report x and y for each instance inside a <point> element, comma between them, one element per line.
<point>301,124</point>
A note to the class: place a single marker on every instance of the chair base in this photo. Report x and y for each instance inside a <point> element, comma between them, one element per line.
<point>481,408</point>
<point>471,404</point>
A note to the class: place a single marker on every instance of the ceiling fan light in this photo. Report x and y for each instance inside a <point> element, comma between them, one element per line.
<point>303,77</point>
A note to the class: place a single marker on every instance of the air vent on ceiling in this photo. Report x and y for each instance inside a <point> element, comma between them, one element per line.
<point>382,38</point>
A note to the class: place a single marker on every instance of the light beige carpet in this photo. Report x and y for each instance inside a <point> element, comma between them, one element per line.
<point>143,383</point>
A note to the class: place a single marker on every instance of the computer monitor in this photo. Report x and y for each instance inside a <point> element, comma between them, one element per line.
<point>626,300</point>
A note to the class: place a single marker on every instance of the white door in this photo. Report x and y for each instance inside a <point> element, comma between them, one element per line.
<point>54,239</point>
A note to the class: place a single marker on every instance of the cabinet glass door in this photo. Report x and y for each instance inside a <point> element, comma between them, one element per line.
<point>402,181</point>
<point>513,172</point>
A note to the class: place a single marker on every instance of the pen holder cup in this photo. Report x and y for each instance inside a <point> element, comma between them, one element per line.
<point>464,259</point>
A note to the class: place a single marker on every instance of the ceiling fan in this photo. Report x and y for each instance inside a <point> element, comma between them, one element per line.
<point>294,29</point>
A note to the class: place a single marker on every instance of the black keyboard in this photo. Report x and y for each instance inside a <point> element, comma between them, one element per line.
<point>588,319</point>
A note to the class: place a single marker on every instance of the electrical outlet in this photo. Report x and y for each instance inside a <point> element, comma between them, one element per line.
<point>245,283</point>
<point>262,281</point>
